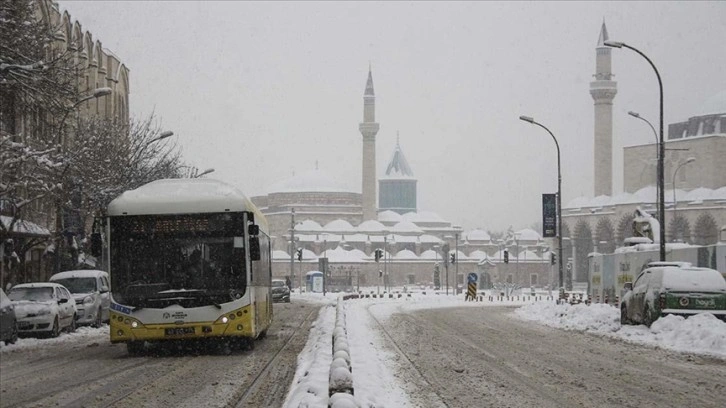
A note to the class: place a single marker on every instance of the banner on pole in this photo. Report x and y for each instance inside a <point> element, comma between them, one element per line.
<point>549,215</point>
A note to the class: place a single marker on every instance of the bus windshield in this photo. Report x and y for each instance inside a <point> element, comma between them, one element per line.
<point>159,261</point>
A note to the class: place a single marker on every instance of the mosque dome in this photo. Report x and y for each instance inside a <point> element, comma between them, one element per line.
<point>314,181</point>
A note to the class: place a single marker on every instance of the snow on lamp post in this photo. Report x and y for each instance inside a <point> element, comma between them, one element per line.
<point>559,195</point>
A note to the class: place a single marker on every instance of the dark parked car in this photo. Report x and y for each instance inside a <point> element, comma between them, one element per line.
<point>8,322</point>
<point>280,291</point>
<point>673,288</point>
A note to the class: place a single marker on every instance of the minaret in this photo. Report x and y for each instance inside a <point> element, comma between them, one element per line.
<point>603,92</point>
<point>369,128</point>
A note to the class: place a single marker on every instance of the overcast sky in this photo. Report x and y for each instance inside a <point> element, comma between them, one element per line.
<point>261,90</point>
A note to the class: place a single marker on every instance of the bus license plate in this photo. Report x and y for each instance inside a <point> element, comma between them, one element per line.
<point>176,331</point>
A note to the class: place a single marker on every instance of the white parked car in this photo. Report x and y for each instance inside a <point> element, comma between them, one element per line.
<point>43,308</point>
<point>90,292</point>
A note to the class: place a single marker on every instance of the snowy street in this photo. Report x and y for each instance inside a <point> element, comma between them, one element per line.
<point>83,369</point>
<point>485,357</point>
<point>420,351</point>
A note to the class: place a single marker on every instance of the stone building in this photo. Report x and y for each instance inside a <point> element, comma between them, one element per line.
<point>695,190</point>
<point>96,67</point>
<point>332,221</point>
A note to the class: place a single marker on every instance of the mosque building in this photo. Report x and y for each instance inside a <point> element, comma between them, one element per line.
<point>694,176</point>
<point>317,216</point>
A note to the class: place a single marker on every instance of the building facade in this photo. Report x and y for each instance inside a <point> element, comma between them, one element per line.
<point>694,176</point>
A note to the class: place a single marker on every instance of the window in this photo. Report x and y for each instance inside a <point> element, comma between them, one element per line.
<point>533,279</point>
<point>509,278</point>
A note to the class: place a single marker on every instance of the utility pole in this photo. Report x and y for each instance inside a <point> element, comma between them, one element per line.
<point>456,264</point>
<point>292,248</point>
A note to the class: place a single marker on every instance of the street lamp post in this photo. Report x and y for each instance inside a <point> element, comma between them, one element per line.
<point>688,160</point>
<point>205,172</point>
<point>661,148</point>
<point>97,93</point>
<point>559,196</point>
<point>657,147</point>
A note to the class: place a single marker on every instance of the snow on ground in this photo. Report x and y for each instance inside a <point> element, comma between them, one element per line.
<point>700,334</point>
<point>82,336</point>
<point>374,382</point>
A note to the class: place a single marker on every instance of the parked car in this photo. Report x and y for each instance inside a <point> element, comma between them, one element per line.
<point>280,291</point>
<point>43,308</point>
<point>8,322</point>
<point>673,288</point>
<point>90,290</point>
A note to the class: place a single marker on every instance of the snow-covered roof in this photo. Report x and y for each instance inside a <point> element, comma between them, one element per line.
<point>310,181</point>
<point>23,227</point>
<point>389,216</point>
<point>477,235</point>
<point>406,227</point>
<point>478,254</point>
<point>371,226</point>
<point>423,217</point>
<point>430,254</point>
<point>308,225</point>
<point>648,195</point>
<point>84,273</point>
<point>405,254</point>
<point>398,167</point>
<point>338,226</point>
<point>527,234</point>
<point>184,196</point>
<point>429,239</point>
<point>340,255</point>
<point>279,254</point>
<point>528,255</point>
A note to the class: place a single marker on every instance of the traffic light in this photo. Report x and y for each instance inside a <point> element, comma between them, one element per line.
<point>378,254</point>
<point>299,254</point>
<point>453,258</point>
<point>553,258</point>
<point>506,256</point>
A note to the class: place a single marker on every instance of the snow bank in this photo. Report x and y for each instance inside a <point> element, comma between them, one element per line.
<point>701,334</point>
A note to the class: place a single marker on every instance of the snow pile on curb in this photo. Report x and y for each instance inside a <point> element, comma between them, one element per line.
<point>700,334</point>
<point>340,385</point>
<point>310,386</point>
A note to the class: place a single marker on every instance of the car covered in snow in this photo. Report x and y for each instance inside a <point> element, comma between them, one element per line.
<point>280,291</point>
<point>8,322</point>
<point>673,288</point>
<point>43,308</point>
<point>90,290</point>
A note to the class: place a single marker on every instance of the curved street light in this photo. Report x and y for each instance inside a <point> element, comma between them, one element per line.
<point>637,116</point>
<point>559,196</point>
<point>207,171</point>
<point>97,93</point>
<point>689,160</point>
<point>661,147</point>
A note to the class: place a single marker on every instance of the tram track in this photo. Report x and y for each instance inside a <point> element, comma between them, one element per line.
<point>431,386</point>
<point>256,383</point>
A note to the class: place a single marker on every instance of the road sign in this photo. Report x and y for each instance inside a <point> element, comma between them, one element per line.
<point>472,277</point>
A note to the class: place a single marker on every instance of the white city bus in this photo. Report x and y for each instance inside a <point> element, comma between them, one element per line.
<point>188,259</point>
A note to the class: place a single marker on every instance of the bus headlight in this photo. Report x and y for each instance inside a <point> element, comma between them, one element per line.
<point>134,324</point>
<point>224,319</point>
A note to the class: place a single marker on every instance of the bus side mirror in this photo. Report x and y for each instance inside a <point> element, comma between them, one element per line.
<point>628,286</point>
<point>96,244</point>
<point>254,249</point>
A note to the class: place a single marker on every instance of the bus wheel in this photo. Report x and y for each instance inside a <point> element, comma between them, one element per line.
<point>135,348</point>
